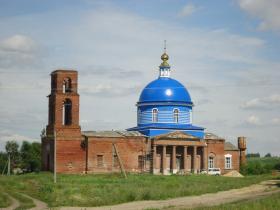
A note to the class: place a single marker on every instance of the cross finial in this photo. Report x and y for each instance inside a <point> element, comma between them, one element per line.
<point>164,46</point>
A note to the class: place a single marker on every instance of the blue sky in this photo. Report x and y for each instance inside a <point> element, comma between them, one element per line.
<point>225,52</point>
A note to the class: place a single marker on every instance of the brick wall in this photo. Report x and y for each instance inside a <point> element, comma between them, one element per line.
<point>216,149</point>
<point>71,156</point>
<point>102,158</point>
<point>235,160</point>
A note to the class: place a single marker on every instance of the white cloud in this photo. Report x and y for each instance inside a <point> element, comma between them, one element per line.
<point>6,135</point>
<point>268,11</point>
<point>18,43</point>
<point>275,121</point>
<point>187,10</point>
<point>109,90</point>
<point>17,50</point>
<point>270,102</point>
<point>253,120</point>
<point>256,102</point>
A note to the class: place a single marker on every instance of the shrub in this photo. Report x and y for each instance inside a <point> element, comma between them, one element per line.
<point>257,166</point>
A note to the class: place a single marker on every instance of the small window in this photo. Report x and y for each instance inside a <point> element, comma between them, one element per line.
<point>155,115</point>
<point>228,161</point>
<point>176,115</point>
<point>100,161</point>
<point>140,162</point>
<point>211,162</point>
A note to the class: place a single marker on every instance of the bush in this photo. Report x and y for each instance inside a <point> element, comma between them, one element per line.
<point>277,166</point>
<point>257,166</point>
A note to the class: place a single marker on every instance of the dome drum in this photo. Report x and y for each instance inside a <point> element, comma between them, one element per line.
<point>164,114</point>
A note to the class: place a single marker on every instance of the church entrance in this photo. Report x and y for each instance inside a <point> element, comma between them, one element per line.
<point>179,163</point>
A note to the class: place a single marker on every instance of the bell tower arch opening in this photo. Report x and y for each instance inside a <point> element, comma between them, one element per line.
<point>66,86</point>
<point>67,112</point>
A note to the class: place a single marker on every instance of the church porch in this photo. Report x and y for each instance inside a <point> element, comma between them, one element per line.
<point>178,156</point>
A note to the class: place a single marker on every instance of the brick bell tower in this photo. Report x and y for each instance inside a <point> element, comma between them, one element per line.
<point>63,122</point>
<point>64,105</point>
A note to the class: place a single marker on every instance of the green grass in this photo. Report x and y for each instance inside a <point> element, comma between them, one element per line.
<point>4,200</point>
<point>97,190</point>
<point>268,203</point>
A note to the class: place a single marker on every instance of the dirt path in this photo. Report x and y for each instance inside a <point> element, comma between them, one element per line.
<point>39,205</point>
<point>210,199</point>
<point>14,205</point>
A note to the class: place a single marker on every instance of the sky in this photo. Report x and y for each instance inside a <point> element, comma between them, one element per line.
<point>226,53</point>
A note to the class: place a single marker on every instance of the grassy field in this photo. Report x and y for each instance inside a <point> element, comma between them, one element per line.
<point>4,200</point>
<point>97,190</point>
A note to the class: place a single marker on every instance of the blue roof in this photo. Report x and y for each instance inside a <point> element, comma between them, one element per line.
<point>165,89</point>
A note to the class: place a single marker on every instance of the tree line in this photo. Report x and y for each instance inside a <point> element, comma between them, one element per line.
<point>24,158</point>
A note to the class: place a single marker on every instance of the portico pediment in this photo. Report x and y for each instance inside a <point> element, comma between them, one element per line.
<point>176,135</point>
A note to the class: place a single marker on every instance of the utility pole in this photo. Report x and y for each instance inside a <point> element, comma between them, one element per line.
<point>54,157</point>
<point>9,164</point>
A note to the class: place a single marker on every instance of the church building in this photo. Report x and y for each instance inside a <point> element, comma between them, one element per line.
<point>165,141</point>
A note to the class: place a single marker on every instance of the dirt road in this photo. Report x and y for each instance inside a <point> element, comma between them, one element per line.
<point>265,188</point>
<point>210,199</point>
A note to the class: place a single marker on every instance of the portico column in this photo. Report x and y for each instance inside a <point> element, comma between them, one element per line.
<point>164,171</point>
<point>205,159</point>
<point>155,170</point>
<point>185,158</point>
<point>174,168</point>
<point>194,159</point>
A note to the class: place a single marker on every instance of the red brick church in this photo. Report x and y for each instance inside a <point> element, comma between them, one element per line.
<point>164,142</point>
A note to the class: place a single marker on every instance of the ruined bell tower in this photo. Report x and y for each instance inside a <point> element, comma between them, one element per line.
<point>64,105</point>
<point>63,131</point>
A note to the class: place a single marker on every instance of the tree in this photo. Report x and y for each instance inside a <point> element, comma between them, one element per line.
<point>255,155</point>
<point>30,156</point>
<point>12,150</point>
<point>3,161</point>
<point>268,155</point>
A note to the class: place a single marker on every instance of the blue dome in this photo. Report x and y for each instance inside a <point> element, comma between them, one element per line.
<point>165,89</point>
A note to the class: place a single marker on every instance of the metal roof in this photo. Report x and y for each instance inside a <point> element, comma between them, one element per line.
<point>230,146</point>
<point>112,133</point>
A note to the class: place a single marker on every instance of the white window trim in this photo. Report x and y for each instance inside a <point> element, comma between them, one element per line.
<point>230,158</point>
<point>213,159</point>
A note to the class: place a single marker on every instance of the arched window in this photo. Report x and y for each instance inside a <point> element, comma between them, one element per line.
<point>176,115</point>
<point>67,112</point>
<point>211,162</point>
<point>66,88</point>
<point>155,115</point>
